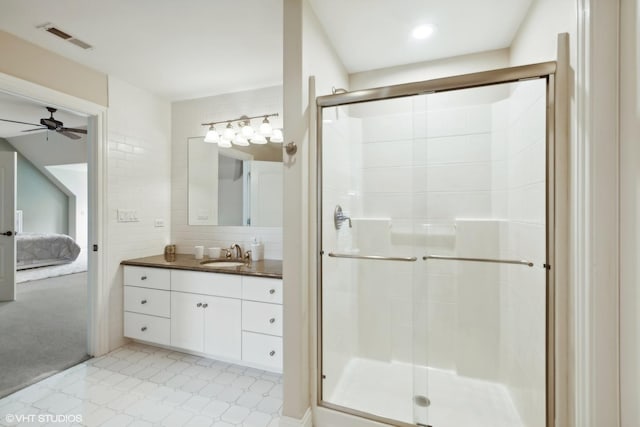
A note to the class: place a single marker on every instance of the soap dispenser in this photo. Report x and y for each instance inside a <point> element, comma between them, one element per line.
<point>257,250</point>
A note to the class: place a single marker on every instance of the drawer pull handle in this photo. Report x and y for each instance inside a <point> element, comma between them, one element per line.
<point>199,304</point>
<point>205,305</point>
<point>272,353</point>
<point>143,278</point>
<point>144,301</point>
<point>272,320</point>
<point>144,328</point>
<point>272,291</point>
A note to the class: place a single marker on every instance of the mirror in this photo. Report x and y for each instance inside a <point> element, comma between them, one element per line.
<point>234,186</point>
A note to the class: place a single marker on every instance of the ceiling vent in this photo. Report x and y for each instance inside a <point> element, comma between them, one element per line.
<point>51,29</point>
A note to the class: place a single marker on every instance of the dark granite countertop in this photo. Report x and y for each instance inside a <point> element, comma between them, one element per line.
<point>265,268</point>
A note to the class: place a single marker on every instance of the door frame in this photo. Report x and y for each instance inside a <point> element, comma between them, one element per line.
<point>545,70</point>
<point>97,300</point>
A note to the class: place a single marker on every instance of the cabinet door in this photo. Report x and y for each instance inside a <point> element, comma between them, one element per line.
<point>223,327</point>
<point>186,321</point>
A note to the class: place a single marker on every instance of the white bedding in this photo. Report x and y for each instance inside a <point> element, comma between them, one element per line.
<point>39,249</point>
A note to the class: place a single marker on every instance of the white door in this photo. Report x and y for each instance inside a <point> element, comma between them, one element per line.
<point>186,320</point>
<point>223,327</point>
<point>7,226</point>
<point>266,194</point>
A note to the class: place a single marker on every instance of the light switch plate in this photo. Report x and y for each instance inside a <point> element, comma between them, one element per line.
<point>127,215</point>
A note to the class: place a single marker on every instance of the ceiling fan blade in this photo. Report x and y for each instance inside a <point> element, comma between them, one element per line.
<point>83,131</point>
<point>68,134</point>
<point>22,123</point>
<point>31,130</point>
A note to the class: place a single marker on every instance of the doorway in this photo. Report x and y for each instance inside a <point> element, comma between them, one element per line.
<point>86,230</point>
<point>435,234</point>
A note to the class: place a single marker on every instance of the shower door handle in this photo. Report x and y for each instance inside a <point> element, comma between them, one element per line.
<point>497,261</point>
<point>373,257</point>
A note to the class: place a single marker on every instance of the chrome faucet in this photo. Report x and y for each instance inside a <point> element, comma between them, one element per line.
<point>236,247</point>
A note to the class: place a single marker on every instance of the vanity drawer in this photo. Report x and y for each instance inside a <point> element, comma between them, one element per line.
<point>214,284</point>
<point>147,301</point>
<point>147,328</point>
<point>262,350</point>
<point>262,289</point>
<point>146,277</point>
<point>262,317</point>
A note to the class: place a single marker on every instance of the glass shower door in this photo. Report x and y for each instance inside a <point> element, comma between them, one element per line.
<point>432,257</point>
<point>480,296</point>
<point>369,259</point>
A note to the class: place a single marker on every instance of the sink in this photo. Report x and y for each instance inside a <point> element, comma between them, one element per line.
<point>222,263</point>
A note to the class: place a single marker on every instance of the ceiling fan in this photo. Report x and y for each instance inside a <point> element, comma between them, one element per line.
<point>50,123</point>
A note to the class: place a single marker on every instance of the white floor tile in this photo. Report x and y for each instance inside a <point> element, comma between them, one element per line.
<point>143,386</point>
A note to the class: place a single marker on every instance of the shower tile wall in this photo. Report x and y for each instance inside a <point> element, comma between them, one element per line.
<point>422,171</point>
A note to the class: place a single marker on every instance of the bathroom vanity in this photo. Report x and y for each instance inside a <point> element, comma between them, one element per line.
<point>227,313</point>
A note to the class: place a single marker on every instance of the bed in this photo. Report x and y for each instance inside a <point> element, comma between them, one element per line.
<point>40,250</point>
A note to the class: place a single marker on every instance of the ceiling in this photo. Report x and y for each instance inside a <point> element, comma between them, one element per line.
<point>372,34</point>
<point>196,48</point>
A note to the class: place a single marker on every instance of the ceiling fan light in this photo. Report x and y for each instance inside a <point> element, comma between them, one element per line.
<point>277,136</point>
<point>258,139</point>
<point>212,136</point>
<point>265,127</point>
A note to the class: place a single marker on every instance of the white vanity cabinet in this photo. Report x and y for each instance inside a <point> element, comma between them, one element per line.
<point>231,317</point>
<point>147,304</point>
<point>206,315</point>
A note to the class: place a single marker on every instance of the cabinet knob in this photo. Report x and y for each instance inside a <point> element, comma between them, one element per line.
<point>205,305</point>
<point>272,353</point>
<point>272,291</point>
<point>144,301</point>
<point>144,328</point>
<point>199,304</point>
<point>272,320</point>
<point>143,278</point>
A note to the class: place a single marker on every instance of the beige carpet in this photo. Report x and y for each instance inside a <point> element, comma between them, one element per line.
<point>44,331</point>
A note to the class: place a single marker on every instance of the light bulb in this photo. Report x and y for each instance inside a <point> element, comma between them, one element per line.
<point>212,136</point>
<point>265,127</point>
<point>229,133</point>
<point>240,140</point>
<point>224,143</point>
<point>258,139</point>
<point>277,136</point>
<point>247,130</point>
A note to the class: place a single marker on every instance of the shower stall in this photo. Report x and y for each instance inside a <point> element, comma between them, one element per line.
<point>435,244</point>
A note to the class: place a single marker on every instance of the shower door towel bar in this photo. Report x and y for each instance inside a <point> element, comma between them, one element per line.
<point>499,261</point>
<point>373,257</point>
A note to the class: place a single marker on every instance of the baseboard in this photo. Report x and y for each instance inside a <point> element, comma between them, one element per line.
<point>305,421</point>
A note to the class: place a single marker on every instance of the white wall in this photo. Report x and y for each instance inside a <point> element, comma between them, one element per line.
<point>74,177</point>
<point>186,119</point>
<point>307,52</point>
<point>139,178</point>
<point>630,213</point>
<point>536,40</point>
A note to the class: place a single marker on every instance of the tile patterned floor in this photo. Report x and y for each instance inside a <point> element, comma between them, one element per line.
<point>144,386</point>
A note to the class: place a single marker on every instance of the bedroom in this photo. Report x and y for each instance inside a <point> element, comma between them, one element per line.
<point>51,242</point>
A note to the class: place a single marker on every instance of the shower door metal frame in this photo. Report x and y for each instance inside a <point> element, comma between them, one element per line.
<point>544,70</point>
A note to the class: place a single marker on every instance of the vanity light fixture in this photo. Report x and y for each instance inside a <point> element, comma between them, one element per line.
<point>243,133</point>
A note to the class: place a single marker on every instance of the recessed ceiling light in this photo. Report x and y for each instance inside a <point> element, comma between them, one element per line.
<point>422,32</point>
